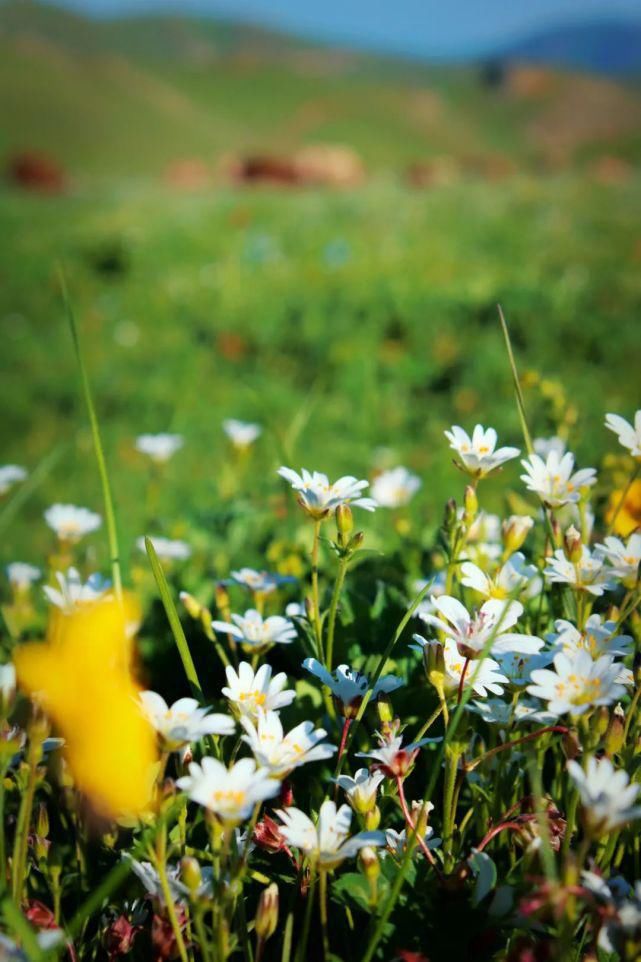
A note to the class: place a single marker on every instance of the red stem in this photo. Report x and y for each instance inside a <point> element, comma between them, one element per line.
<point>512,826</point>
<point>462,681</point>
<point>408,818</point>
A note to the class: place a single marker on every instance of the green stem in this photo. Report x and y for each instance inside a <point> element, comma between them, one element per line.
<point>428,724</point>
<point>315,593</point>
<point>21,843</point>
<point>449,784</point>
<point>160,858</point>
<point>322,897</point>
<point>333,608</point>
<point>301,954</point>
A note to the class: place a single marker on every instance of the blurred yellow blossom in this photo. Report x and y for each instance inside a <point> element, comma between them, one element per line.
<point>626,513</point>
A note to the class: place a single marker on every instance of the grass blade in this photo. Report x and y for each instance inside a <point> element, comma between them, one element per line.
<point>520,403</point>
<point>27,488</point>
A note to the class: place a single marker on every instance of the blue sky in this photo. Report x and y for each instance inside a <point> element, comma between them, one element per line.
<point>425,27</point>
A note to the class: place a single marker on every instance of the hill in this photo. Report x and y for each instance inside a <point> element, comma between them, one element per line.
<point>610,47</point>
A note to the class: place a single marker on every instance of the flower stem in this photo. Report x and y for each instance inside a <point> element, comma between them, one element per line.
<point>410,823</point>
<point>21,843</point>
<point>315,594</point>
<point>336,594</point>
<point>301,954</point>
<point>322,897</point>
<point>160,858</point>
<point>462,681</point>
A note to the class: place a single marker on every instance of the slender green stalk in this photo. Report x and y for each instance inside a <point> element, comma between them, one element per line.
<point>301,952</point>
<point>27,488</point>
<point>517,384</point>
<point>315,592</point>
<point>159,856</point>
<point>3,849</point>
<point>322,898</point>
<point>333,608</point>
<point>21,842</point>
<point>428,724</point>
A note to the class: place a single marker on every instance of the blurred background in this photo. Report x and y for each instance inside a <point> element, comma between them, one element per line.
<point>304,215</point>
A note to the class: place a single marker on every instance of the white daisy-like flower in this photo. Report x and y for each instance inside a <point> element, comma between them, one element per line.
<point>624,557</point>
<point>241,433</point>
<point>230,793</point>
<point>349,686</point>
<point>71,523</point>
<point>497,712</point>
<point>478,454</point>
<point>554,479</point>
<point>578,683</point>
<point>518,667</point>
<point>167,549</point>
<point>260,582</point>
<point>7,682</point>
<point>326,843</point>
<point>249,692</point>
<point>491,624</point>
<point>395,488</point>
<point>396,842</point>
<point>482,676</point>
<point>281,753</point>
<point>596,638</point>
<point>150,879</point>
<point>392,757</point>
<point>10,474</point>
<point>543,446</point>
<point>72,592</point>
<point>159,447</point>
<point>22,575</point>
<point>606,795</point>
<point>296,609</point>
<point>589,573</point>
<point>184,722</point>
<point>514,577</point>
<point>629,436</point>
<point>362,789</point>
<point>319,498</point>
<point>255,633</point>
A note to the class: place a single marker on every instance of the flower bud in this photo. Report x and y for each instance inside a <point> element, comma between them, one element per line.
<point>614,735</point>
<point>370,863</point>
<point>572,544</point>
<point>420,813</point>
<point>571,744</point>
<point>384,708</point>
<point>356,541</point>
<point>344,523</point>
<point>42,822</point>
<point>470,504</point>
<point>372,819</point>
<point>267,913</point>
<point>515,531</point>
<point>450,517</point>
<point>286,797</point>
<point>222,597</point>
<point>190,874</point>
<point>192,606</point>
<point>601,720</point>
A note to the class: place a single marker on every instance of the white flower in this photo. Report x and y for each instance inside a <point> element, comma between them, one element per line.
<point>10,474</point>
<point>319,498</point>
<point>349,686</point>
<point>395,488</point>
<point>629,437</point>
<point>184,722</point>
<point>327,843</point>
<point>553,479</point>
<point>624,558</point>
<point>392,757</point>
<point>596,638</point>
<point>512,578</point>
<point>361,790</point>
<point>159,447</point>
<point>518,667</point>
<point>296,609</point>
<point>72,592</point>
<point>7,682</point>
<point>280,753</point>
<point>589,573</point>
<point>490,624</point>
<point>606,795</point>
<point>478,454</point>
<point>396,842</point>
<point>260,582</point>
<point>167,549</point>
<point>71,523</point>
<point>543,446</point>
<point>21,575</point>
<point>483,542</point>
<point>255,633</point>
<point>497,712</point>
<point>241,433</point>
<point>481,676</point>
<point>249,691</point>
<point>577,683</point>
<point>150,879</point>
<point>230,793</point>
<point>515,530</point>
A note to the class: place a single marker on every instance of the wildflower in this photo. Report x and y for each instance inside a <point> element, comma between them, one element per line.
<point>248,691</point>
<point>159,447</point>
<point>150,879</point>
<point>395,488</point>
<point>184,722</point>
<point>392,757</point>
<point>483,676</point>
<point>267,913</point>
<point>489,626</point>
<point>624,509</point>
<point>241,433</point>
<point>577,683</point>
<point>260,582</point>
<point>606,794</point>
<point>553,479</point>
<point>166,548</point>
<point>543,446</point>
<point>519,667</point>
<point>515,530</point>
<point>629,436</point>
<point>280,753</point>
<point>255,633</point>
<point>22,575</point>
<point>512,578</point>
<point>349,686</point>
<point>588,573</point>
<point>296,609</point>
<point>361,790</point>
<point>72,592</point>
<point>326,843</point>
<point>230,793</point>
<point>624,558</point>
<point>478,454</point>
<point>10,474</point>
<point>596,638</point>
<point>319,498</point>
<point>71,523</point>
<point>396,842</point>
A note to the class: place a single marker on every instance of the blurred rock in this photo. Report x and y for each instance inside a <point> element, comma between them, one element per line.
<point>329,165</point>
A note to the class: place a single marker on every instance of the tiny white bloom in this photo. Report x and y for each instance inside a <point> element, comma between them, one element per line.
<point>596,638</point>
<point>577,683</point>
<point>167,549</point>
<point>241,433</point>
<point>589,573</point>
<point>543,446</point>
<point>395,488</point>
<point>150,879</point>
<point>514,577</point>
<point>249,691</point>
<point>10,474</point>
<point>296,609</point>
<point>629,436</point>
<point>518,667</point>
<point>490,625</point>
<point>606,795</point>
<point>479,454</point>
<point>624,558</point>
<point>159,447</point>
<point>255,633</point>
<point>7,682</point>
<point>361,790</point>
<point>319,498</point>
<point>396,842</point>
<point>22,575</point>
<point>230,793</point>
<point>281,753</point>
<point>71,523</point>
<point>73,592</point>
<point>184,722</point>
<point>260,582</point>
<point>554,480</point>
<point>349,686</point>
<point>326,843</point>
<point>392,757</point>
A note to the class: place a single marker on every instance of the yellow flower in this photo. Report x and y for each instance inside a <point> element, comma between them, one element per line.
<point>81,677</point>
<point>627,517</point>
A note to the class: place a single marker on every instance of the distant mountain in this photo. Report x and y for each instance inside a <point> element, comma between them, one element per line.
<point>608,46</point>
